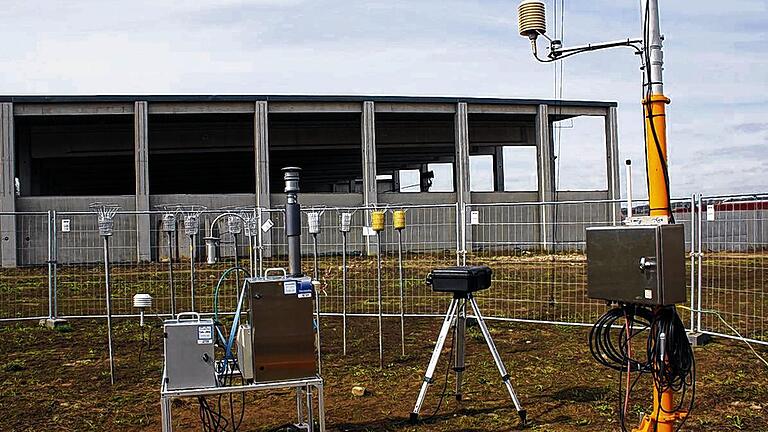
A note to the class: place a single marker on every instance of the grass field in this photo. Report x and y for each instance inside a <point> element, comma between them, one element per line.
<point>59,380</point>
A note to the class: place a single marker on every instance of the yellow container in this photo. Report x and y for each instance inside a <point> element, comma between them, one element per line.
<point>398,219</point>
<point>377,220</point>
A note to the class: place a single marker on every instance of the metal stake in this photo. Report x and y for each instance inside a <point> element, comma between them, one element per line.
<point>170,274</point>
<point>378,293</point>
<point>260,250</point>
<point>192,269</point>
<point>109,310</point>
<point>344,291</point>
<point>402,307</point>
<point>251,254</point>
<point>237,262</point>
<point>316,273</point>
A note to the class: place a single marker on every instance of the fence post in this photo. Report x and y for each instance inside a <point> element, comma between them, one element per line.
<point>55,250</point>
<point>693,259</point>
<point>699,255</point>
<point>51,313</point>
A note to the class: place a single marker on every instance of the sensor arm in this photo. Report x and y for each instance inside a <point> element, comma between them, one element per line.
<point>559,53</point>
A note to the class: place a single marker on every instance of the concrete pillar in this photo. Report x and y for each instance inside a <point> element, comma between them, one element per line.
<point>7,186</point>
<point>546,173</point>
<point>261,159</point>
<point>261,153</point>
<point>461,144</point>
<point>612,161</point>
<point>498,169</point>
<point>141,158</point>
<point>368,128</point>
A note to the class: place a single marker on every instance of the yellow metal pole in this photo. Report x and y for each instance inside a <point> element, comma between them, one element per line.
<point>656,149</point>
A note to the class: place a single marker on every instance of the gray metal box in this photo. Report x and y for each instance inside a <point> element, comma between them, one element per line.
<point>189,361</point>
<point>642,264</point>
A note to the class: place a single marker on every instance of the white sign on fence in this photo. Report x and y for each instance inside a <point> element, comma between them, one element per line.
<point>710,212</point>
<point>474,218</point>
<point>65,225</point>
<point>266,226</point>
<point>368,231</point>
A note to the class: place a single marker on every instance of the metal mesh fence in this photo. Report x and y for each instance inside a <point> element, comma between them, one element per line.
<point>536,251</point>
<point>733,252</point>
<point>24,276</point>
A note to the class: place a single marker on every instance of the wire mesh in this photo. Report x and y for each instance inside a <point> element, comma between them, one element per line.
<point>537,254</point>
<point>535,249</point>
<point>733,250</point>
<point>24,281</point>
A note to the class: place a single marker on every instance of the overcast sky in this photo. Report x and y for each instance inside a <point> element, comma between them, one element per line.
<point>716,65</point>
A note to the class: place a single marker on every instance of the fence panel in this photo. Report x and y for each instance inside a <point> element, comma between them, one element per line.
<point>428,240</point>
<point>537,253</point>
<point>733,266</point>
<point>535,249</point>
<point>24,287</point>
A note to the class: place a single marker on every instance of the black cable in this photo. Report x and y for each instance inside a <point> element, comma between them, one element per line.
<point>447,371</point>
<point>668,356</point>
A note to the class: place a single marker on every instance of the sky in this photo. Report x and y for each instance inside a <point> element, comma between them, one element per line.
<point>716,66</point>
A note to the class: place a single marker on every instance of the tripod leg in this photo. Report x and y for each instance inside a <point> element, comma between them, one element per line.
<point>435,357</point>
<point>458,361</point>
<point>496,358</point>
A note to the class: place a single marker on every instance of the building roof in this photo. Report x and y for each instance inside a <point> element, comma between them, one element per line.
<point>295,98</point>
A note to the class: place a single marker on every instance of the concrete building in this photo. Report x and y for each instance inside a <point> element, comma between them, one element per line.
<point>64,152</point>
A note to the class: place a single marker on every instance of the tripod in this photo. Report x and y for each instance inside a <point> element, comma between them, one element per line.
<point>457,312</point>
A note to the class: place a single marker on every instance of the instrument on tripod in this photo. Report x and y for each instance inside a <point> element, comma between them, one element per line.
<point>462,282</point>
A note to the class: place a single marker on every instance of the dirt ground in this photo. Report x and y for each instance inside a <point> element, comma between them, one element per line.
<point>59,380</point>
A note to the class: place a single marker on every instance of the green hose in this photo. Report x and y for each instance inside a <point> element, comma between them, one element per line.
<point>218,285</point>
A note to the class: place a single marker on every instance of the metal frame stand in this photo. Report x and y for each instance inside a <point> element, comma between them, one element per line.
<point>304,395</point>
<point>457,314</point>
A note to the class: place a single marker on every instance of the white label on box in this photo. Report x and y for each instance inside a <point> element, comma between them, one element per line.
<point>368,231</point>
<point>66,225</point>
<point>289,287</point>
<point>266,226</point>
<point>648,294</point>
<point>305,295</point>
<point>204,335</point>
<point>710,212</point>
<point>474,217</point>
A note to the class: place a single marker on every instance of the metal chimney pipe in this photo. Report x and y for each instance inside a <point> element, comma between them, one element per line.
<point>293,220</point>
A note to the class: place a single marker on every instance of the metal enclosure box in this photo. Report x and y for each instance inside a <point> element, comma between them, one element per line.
<point>282,328</point>
<point>642,264</point>
<point>188,349</point>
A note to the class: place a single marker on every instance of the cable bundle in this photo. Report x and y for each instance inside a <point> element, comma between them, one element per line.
<point>212,419</point>
<point>668,354</point>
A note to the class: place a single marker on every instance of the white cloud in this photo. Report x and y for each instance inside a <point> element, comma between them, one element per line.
<point>716,63</point>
